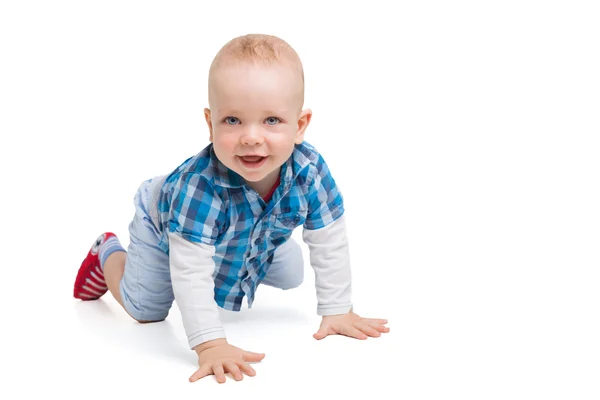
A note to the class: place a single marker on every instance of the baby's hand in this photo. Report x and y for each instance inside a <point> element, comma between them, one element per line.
<point>217,356</point>
<point>351,325</point>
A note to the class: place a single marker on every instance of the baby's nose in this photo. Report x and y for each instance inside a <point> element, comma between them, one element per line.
<point>252,137</point>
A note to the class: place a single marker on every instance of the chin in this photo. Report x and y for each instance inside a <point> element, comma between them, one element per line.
<point>254,177</point>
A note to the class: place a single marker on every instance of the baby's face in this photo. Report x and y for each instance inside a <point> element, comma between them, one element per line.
<point>256,118</point>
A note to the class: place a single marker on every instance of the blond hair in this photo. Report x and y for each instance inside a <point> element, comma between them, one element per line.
<point>257,48</point>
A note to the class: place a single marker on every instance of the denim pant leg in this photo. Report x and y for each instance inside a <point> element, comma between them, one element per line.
<point>146,284</point>
<point>287,269</point>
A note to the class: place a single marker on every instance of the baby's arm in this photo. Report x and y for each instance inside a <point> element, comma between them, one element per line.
<point>192,267</point>
<point>330,259</point>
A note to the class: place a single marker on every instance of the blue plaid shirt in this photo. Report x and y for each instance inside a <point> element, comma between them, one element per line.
<point>206,202</point>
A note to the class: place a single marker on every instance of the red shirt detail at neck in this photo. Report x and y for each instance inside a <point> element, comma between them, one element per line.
<point>268,196</point>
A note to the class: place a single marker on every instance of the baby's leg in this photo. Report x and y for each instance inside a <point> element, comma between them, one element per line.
<point>138,279</point>
<point>114,267</point>
<point>287,269</point>
<point>141,282</point>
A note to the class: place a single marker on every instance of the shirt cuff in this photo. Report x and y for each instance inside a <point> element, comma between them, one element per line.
<point>205,335</point>
<point>333,309</point>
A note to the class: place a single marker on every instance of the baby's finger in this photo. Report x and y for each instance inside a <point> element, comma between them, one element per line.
<point>379,327</point>
<point>322,332</point>
<point>219,373</point>
<point>201,373</point>
<point>367,329</point>
<point>249,356</point>
<point>246,368</point>
<point>349,330</point>
<point>378,321</point>
<point>233,369</point>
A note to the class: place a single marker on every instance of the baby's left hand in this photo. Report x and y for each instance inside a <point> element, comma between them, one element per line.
<point>351,325</point>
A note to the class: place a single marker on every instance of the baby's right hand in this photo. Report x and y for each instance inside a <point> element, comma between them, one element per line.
<point>215,357</point>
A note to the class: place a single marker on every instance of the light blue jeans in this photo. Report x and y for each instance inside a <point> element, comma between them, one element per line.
<point>146,288</point>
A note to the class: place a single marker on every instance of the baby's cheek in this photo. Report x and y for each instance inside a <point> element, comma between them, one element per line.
<point>225,143</point>
<point>284,142</point>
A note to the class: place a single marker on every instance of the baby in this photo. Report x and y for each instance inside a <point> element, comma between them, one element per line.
<point>208,233</point>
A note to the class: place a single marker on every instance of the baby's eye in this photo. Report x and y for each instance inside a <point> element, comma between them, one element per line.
<point>232,120</point>
<point>272,121</point>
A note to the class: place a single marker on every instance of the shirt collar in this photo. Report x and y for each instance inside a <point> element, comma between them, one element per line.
<point>223,176</point>
<point>294,165</point>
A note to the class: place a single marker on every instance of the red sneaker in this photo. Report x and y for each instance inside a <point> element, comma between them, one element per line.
<point>90,283</point>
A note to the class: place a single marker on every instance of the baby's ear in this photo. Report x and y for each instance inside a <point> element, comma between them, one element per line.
<point>303,121</point>
<point>207,116</point>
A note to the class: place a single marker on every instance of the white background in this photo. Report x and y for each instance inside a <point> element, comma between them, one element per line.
<point>464,136</point>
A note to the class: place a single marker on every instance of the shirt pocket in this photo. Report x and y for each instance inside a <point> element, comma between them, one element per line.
<point>282,225</point>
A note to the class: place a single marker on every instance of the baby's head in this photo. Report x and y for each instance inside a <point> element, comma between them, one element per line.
<point>255,95</point>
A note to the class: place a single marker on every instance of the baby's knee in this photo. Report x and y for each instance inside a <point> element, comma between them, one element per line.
<point>287,268</point>
<point>295,273</point>
<point>145,320</point>
<point>294,281</point>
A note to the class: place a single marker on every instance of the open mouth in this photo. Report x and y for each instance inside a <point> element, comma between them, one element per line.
<point>252,161</point>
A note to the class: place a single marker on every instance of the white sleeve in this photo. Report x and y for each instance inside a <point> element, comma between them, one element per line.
<point>192,267</point>
<point>330,259</point>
